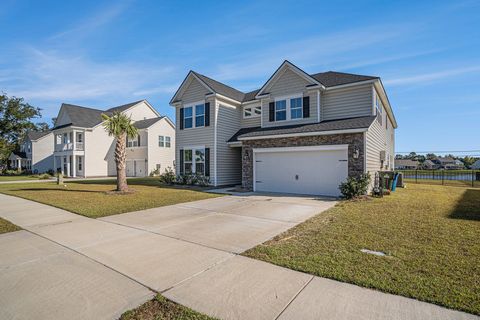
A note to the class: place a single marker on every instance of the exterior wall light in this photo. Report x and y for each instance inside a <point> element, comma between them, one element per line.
<point>356,152</point>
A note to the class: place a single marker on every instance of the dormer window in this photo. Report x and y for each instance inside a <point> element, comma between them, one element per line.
<point>250,112</point>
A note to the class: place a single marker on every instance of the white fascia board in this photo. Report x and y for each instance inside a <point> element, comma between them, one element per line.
<point>305,134</point>
<point>302,148</point>
<point>217,95</point>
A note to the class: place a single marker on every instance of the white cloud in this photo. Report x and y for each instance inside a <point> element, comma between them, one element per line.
<point>433,76</point>
<point>93,22</point>
<point>52,77</point>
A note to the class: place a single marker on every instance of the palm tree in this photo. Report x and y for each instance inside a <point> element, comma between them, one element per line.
<point>120,126</point>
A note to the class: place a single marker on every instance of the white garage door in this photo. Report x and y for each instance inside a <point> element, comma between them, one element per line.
<point>301,170</point>
<point>136,168</point>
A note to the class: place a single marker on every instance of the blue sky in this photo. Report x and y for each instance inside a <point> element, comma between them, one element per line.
<point>102,54</point>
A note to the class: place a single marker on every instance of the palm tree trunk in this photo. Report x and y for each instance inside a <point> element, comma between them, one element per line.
<point>120,161</point>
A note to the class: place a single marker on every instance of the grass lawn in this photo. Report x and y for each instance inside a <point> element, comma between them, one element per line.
<point>89,198</point>
<point>161,308</point>
<point>430,233</point>
<point>7,226</point>
<point>18,178</point>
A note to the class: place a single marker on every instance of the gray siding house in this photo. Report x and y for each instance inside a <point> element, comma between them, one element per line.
<point>299,133</point>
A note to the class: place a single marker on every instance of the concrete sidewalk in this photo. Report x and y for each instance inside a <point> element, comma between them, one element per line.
<point>188,252</point>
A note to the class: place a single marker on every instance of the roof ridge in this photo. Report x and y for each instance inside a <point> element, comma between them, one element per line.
<point>340,72</point>
<point>77,106</point>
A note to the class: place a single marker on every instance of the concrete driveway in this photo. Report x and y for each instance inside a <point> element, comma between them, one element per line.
<point>65,266</point>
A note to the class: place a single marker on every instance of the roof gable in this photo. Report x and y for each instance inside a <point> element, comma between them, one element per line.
<point>191,76</point>
<point>286,65</point>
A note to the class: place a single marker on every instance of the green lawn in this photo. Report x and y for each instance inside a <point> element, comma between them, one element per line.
<point>7,226</point>
<point>18,178</point>
<point>430,233</point>
<point>160,308</point>
<point>89,198</point>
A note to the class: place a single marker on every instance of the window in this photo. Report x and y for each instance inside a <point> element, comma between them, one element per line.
<point>194,161</point>
<point>161,141</point>
<point>379,108</point>
<point>133,143</point>
<point>187,161</point>
<point>80,164</point>
<point>252,112</point>
<point>200,115</point>
<point>59,139</point>
<point>296,110</point>
<point>65,138</point>
<point>200,161</point>
<point>280,110</point>
<point>188,117</point>
<point>158,166</point>
<point>79,137</point>
<point>164,141</point>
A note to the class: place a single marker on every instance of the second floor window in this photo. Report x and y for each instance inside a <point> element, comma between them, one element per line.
<point>200,115</point>
<point>79,137</point>
<point>252,112</point>
<point>379,109</point>
<point>188,117</point>
<point>164,141</point>
<point>132,143</point>
<point>296,109</point>
<point>280,110</point>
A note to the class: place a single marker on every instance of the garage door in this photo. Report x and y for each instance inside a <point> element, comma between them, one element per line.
<point>301,170</point>
<point>136,168</point>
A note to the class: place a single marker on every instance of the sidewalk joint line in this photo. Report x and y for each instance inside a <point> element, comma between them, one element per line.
<point>294,297</point>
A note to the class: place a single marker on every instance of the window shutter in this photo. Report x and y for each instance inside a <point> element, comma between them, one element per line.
<point>207,114</point>
<point>181,162</point>
<point>138,140</point>
<point>207,162</point>
<point>181,118</point>
<point>271,111</point>
<point>306,107</point>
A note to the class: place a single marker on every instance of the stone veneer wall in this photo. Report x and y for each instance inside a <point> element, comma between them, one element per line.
<point>355,166</point>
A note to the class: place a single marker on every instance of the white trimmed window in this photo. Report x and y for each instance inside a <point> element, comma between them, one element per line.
<point>250,112</point>
<point>379,109</point>
<point>188,117</point>
<point>168,143</point>
<point>133,143</point>
<point>289,108</point>
<point>164,141</point>
<point>199,115</point>
<point>296,108</point>
<point>194,161</point>
<point>280,110</point>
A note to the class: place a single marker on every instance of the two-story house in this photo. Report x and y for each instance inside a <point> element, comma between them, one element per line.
<point>36,153</point>
<point>83,148</point>
<point>299,133</point>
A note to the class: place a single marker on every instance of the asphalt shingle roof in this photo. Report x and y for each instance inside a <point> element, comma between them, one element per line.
<point>143,124</point>
<point>89,117</point>
<point>34,135</point>
<point>332,125</point>
<point>328,79</point>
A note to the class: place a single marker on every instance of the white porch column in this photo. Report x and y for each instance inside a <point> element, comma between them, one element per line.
<point>19,164</point>
<point>74,167</point>
<point>74,143</point>
<point>68,167</point>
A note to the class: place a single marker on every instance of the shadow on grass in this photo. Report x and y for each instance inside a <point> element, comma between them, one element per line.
<point>468,208</point>
<point>60,190</point>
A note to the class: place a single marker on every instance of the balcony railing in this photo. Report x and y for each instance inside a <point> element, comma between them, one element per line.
<point>79,146</point>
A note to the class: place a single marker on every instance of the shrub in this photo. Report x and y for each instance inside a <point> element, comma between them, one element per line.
<point>202,180</point>
<point>44,176</point>
<point>168,177</point>
<point>355,186</point>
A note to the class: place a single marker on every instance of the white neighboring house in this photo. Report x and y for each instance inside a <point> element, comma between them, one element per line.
<point>36,153</point>
<point>82,147</point>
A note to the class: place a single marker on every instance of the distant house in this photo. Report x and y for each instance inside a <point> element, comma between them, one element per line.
<point>449,163</point>
<point>406,164</point>
<point>36,153</point>
<point>430,165</point>
<point>475,165</point>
